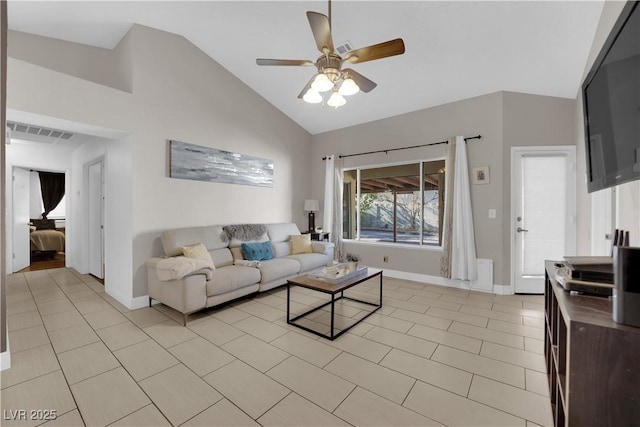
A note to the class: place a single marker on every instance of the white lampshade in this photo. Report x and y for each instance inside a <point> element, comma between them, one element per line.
<point>311,206</point>
<point>312,96</point>
<point>348,87</point>
<point>336,100</point>
<point>322,83</point>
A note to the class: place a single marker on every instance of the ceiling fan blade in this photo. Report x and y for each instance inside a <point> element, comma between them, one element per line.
<point>363,83</point>
<point>321,31</point>
<point>376,51</point>
<point>262,61</point>
<point>306,88</point>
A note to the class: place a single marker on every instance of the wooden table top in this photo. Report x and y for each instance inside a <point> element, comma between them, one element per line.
<point>307,281</point>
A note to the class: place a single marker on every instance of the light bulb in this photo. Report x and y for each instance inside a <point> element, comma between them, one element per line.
<point>322,83</point>
<point>349,87</point>
<point>336,100</point>
<point>312,96</point>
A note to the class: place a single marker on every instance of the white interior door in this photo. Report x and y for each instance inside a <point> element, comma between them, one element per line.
<point>20,199</point>
<point>543,212</point>
<point>96,220</point>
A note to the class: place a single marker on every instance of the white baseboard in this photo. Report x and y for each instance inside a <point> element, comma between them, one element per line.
<point>139,302</point>
<point>5,360</point>
<point>502,289</point>
<point>5,357</point>
<point>441,281</point>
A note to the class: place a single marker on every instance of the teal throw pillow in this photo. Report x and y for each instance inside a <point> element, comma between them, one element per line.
<point>257,251</point>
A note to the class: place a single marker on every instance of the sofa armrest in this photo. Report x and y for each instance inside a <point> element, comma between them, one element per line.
<point>185,295</point>
<point>174,268</point>
<point>325,248</point>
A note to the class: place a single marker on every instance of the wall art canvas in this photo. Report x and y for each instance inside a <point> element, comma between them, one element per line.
<point>189,161</point>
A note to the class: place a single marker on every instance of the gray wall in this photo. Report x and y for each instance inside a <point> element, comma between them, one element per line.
<point>177,92</point>
<point>504,119</point>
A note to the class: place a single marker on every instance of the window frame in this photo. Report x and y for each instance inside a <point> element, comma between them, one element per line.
<point>420,245</point>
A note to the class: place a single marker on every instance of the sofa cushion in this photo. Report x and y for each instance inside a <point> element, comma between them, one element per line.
<point>281,249</point>
<point>310,261</point>
<point>221,257</point>
<point>173,240</point>
<point>301,244</point>
<point>236,253</point>
<point>281,232</point>
<point>198,251</point>
<point>257,251</point>
<point>232,277</point>
<point>278,268</point>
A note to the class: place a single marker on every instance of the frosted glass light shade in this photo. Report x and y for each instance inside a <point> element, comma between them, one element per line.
<point>321,83</point>
<point>348,87</point>
<point>312,96</point>
<point>336,100</point>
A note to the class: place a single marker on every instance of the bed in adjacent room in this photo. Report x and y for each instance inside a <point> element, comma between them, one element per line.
<point>45,238</point>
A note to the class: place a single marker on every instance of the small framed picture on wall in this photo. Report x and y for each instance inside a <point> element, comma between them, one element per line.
<point>481,175</point>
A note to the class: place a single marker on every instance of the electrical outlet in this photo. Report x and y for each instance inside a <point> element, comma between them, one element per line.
<point>385,259</point>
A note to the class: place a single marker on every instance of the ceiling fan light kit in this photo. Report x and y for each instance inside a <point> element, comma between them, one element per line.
<point>336,100</point>
<point>312,97</point>
<point>321,83</point>
<point>348,87</point>
<point>331,77</point>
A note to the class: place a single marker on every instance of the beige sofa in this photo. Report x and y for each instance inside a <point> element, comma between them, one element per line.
<point>195,288</point>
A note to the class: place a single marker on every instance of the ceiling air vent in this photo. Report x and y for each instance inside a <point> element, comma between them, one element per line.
<point>344,48</point>
<point>38,133</point>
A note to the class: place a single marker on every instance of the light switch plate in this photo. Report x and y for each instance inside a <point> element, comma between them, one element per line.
<point>492,214</point>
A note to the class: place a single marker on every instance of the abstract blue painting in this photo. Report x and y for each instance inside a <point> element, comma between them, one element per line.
<point>189,161</point>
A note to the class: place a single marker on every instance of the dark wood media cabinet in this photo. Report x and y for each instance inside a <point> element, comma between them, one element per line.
<point>593,363</point>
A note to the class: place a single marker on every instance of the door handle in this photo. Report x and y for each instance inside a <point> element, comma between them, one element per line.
<point>521,230</point>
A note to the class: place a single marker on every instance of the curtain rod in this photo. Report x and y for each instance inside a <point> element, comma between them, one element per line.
<point>402,148</point>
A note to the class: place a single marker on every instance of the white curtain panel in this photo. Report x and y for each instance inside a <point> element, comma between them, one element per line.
<point>463,243</point>
<point>447,225</point>
<point>333,183</point>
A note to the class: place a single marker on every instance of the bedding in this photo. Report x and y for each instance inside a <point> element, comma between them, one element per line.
<point>47,240</point>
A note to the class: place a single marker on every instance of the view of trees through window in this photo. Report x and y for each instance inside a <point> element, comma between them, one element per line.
<point>391,205</point>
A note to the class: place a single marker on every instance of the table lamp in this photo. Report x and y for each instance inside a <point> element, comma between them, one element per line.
<point>312,206</point>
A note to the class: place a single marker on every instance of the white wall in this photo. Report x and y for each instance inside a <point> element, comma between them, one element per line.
<point>177,92</point>
<point>116,155</point>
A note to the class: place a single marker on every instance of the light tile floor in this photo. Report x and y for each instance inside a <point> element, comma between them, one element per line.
<point>431,356</point>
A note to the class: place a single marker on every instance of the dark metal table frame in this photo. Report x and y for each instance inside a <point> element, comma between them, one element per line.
<point>333,290</point>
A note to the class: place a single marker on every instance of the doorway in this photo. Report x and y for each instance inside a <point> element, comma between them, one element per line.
<point>543,212</point>
<point>96,218</point>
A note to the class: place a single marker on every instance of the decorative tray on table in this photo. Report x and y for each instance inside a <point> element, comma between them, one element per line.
<point>337,273</point>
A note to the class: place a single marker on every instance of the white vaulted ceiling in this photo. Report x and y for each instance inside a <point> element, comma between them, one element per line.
<point>454,49</point>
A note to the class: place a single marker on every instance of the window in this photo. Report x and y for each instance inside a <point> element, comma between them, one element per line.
<point>394,204</point>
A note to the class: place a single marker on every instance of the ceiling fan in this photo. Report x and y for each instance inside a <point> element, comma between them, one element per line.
<point>331,77</point>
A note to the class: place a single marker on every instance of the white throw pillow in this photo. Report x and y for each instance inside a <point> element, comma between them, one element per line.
<point>198,251</point>
<point>301,244</point>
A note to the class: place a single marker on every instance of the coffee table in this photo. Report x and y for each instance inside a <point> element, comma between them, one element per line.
<point>333,289</point>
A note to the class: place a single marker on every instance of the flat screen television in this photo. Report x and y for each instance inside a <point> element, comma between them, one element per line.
<point>611,106</point>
